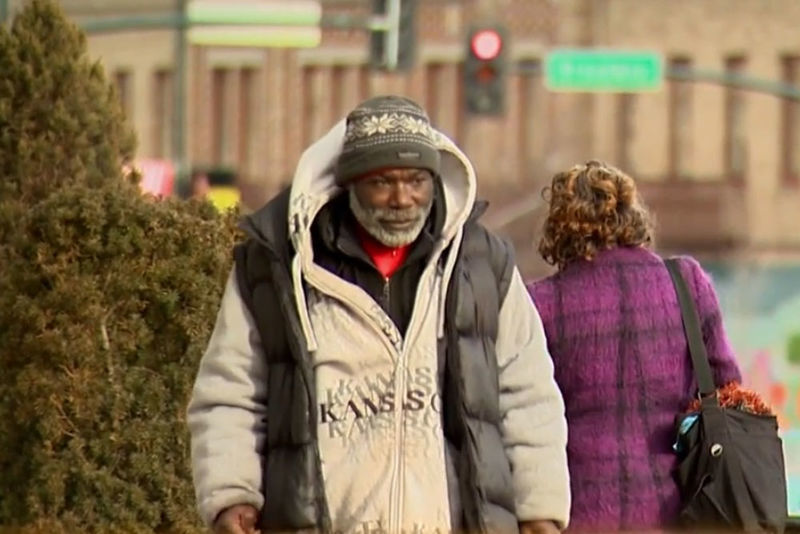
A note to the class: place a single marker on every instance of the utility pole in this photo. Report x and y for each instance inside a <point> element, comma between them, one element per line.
<point>179,95</point>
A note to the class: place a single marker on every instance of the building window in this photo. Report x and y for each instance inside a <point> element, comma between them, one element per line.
<point>457,97</point>
<point>247,108</point>
<point>735,149</point>
<point>443,96</point>
<point>434,74</point>
<point>532,122</point>
<point>626,103</point>
<point>163,110</point>
<point>309,73</point>
<point>338,81</point>
<point>364,75</point>
<point>219,116</point>
<point>791,124</point>
<point>123,81</point>
<point>680,120</point>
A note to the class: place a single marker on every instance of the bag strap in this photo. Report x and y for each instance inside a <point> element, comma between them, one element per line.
<point>691,325</point>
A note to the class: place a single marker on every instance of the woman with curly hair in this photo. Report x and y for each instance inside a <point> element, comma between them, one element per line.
<point>621,359</point>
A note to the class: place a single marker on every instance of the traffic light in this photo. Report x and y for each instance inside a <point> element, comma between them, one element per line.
<point>485,70</point>
<point>406,34</point>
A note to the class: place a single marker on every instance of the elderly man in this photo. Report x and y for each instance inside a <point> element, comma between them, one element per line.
<point>377,364</point>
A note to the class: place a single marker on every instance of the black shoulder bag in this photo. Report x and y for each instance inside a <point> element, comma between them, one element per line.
<point>731,471</point>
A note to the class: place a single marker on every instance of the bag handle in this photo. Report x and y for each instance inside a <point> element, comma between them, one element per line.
<point>691,325</point>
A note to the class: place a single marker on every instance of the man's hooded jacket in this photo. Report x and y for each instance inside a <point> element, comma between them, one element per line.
<point>318,406</point>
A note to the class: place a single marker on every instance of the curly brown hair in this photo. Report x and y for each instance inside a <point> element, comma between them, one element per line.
<point>593,207</point>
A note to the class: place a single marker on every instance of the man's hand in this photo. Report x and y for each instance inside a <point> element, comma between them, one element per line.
<point>238,519</point>
<point>538,527</point>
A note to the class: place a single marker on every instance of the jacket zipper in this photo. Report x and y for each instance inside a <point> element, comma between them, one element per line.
<point>399,386</point>
<point>399,432</point>
<point>396,506</point>
<point>387,293</point>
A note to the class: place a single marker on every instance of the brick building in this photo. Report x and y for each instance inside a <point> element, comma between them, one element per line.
<point>720,166</point>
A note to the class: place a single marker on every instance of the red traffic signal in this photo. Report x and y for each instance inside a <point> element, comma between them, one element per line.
<point>484,72</point>
<point>486,44</point>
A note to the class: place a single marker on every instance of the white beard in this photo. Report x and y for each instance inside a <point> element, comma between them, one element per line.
<point>370,219</point>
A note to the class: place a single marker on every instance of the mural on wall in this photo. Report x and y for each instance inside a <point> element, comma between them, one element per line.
<point>761,309</point>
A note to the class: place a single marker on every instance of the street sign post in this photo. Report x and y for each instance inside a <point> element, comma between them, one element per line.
<point>592,70</point>
<point>393,34</point>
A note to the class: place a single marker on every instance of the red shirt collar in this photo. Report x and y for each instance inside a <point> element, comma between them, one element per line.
<point>386,259</point>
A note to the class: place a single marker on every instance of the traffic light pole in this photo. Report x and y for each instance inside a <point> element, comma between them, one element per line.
<point>392,33</point>
<point>385,25</point>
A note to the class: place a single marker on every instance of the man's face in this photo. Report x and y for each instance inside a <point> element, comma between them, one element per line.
<point>393,204</point>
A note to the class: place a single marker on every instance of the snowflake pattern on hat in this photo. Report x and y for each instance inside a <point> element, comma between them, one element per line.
<point>387,123</point>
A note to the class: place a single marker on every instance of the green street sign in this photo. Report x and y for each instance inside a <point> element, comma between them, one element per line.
<point>615,71</point>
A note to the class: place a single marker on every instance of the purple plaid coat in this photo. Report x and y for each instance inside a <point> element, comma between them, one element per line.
<point>621,359</point>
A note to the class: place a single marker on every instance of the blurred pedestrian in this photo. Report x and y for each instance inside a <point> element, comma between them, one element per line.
<point>621,359</point>
<point>199,185</point>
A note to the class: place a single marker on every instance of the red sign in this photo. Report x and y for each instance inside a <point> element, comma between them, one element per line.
<point>158,176</point>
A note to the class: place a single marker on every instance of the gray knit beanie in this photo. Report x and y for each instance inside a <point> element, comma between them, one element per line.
<point>384,132</point>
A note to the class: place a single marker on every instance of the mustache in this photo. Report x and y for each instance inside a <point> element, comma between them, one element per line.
<point>398,215</point>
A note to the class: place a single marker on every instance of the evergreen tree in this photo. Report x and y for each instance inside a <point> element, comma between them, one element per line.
<point>107,299</point>
<point>55,107</point>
